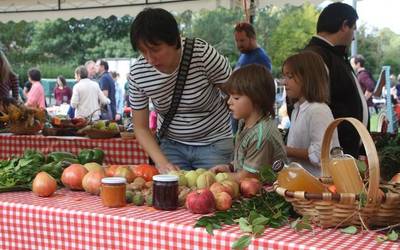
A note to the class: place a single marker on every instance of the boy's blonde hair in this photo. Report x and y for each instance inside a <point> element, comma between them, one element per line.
<point>256,82</point>
<point>309,68</point>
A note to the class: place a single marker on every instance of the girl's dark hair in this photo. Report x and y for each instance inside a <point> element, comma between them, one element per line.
<point>62,80</point>
<point>153,26</point>
<point>309,69</point>
<point>256,82</point>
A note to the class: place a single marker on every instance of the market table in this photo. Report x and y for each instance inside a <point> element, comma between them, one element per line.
<point>77,220</point>
<point>117,150</point>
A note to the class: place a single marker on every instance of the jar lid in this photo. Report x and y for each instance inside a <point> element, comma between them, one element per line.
<point>113,180</point>
<point>165,177</point>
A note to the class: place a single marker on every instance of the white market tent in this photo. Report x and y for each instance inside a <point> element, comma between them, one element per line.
<point>38,10</point>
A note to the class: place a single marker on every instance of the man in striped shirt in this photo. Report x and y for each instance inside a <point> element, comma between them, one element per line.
<point>199,135</point>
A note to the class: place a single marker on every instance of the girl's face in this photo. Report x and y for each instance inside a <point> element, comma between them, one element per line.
<point>292,84</point>
<point>241,106</point>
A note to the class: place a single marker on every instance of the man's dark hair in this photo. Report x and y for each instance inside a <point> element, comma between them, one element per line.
<point>153,26</point>
<point>34,74</point>
<point>332,17</point>
<point>359,59</point>
<point>104,64</point>
<point>247,28</point>
<point>82,72</point>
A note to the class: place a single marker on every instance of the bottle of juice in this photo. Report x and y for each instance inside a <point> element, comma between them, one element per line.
<point>294,177</point>
<point>344,172</point>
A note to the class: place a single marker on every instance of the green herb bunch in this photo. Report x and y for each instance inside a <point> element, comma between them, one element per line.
<point>252,215</point>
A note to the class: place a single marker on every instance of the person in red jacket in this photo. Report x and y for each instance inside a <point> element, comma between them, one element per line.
<point>62,93</point>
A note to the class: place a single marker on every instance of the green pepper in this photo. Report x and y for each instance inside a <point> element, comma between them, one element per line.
<point>85,156</point>
<point>91,155</point>
<point>98,156</point>
<point>59,156</point>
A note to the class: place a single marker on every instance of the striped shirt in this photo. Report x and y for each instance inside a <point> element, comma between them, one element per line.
<point>202,116</point>
<point>10,85</point>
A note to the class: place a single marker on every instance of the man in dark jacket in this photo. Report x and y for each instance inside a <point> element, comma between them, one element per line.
<point>335,31</point>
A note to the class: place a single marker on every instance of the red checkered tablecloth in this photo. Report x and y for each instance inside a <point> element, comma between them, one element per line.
<point>117,150</point>
<point>77,220</point>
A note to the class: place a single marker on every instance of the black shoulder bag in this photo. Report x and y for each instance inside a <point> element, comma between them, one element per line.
<point>180,82</point>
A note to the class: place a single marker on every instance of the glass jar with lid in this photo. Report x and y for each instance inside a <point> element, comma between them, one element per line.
<point>165,192</point>
<point>113,191</point>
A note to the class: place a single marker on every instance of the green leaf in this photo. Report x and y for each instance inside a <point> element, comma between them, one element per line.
<point>253,215</point>
<point>260,220</point>
<point>258,229</point>
<point>242,242</point>
<point>363,199</point>
<point>362,167</point>
<point>393,236</point>
<point>244,225</point>
<point>209,229</point>
<point>349,230</point>
<point>267,175</point>
<point>300,224</point>
<point>381,238</point>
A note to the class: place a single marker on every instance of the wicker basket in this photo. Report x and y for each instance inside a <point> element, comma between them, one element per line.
<point>331,210</point>
<point>128,135</point>
<point>20,129</point>
<point>93,133</point>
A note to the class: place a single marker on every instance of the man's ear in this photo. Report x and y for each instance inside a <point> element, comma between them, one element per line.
<point>344,25</point>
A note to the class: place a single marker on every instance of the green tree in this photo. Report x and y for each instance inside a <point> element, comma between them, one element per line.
<point>294,30</point>
<point>216,27</point>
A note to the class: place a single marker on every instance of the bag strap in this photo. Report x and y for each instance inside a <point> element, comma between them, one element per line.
<point>180,83</point>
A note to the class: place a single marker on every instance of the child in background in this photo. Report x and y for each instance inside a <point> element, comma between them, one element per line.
<point>258,142</point>
<point>306,82</point>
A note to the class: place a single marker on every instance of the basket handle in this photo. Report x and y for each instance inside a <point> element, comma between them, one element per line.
<point>370,149</point>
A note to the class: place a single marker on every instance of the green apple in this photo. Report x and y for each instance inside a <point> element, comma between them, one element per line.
<point>205,180</point>
<point>191,178</point>
<point>220,177</point>
<point>93,166</point>
<point>113,126</point>
<point>181,178</point>
<point>201,170</point>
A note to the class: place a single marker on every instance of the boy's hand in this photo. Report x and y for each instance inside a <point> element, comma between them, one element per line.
<point>220,169</point>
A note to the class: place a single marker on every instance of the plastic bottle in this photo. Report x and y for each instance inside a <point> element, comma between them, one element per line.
<point>294,177</point>
<point>344,172</point>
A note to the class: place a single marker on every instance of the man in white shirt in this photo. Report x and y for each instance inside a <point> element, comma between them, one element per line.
<point>87,96</point>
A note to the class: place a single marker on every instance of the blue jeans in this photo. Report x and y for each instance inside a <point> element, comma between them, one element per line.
<point>190,157</point>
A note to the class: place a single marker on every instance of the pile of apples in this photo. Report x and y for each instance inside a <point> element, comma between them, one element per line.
<point>203,192</point>
<point>88,177</point>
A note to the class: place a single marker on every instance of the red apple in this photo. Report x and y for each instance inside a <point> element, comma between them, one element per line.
<point>249,187</point>
<point>223,201</point>
<point>200,201</point>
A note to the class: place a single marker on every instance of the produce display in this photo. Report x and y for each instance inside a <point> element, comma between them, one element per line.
<point>19,117</point>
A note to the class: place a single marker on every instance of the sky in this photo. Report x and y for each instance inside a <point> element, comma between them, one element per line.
<point>378,13</point>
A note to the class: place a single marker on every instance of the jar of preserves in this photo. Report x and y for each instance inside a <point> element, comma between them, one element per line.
<point>165,192</point>
<point>113,191</point>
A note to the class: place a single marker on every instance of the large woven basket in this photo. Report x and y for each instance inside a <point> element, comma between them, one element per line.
<point>93,133</point>
<point>19,128</point>
<point>344,209</point>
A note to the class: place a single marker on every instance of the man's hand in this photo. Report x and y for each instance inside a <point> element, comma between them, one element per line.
<point>165,169</point>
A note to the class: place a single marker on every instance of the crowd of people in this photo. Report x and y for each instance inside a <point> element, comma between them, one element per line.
<point>217,118</point>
